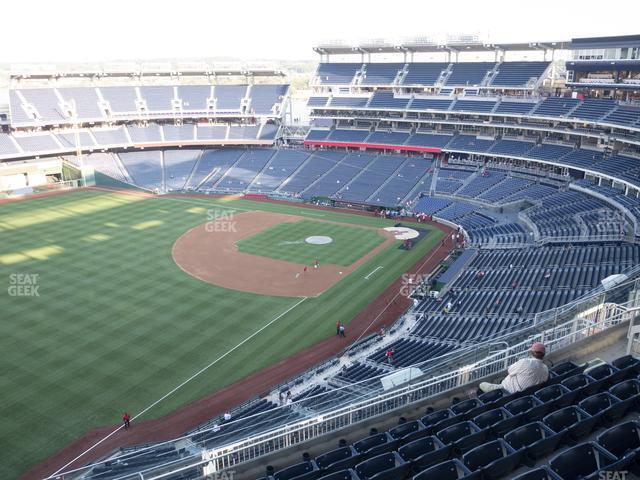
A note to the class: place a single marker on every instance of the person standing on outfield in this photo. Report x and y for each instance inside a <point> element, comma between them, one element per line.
<point>126,419</point>
<point>338,327</point>
<point>341,330</point>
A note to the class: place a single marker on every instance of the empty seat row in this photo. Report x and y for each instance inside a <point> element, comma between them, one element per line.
<point>491,436</point>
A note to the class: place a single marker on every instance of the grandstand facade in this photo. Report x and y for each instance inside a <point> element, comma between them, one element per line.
<point>540,174</point>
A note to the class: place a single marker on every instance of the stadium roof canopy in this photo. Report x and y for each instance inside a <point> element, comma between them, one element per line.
<point>133,69</point>
<point>426,45</point>
<point>620,41</point>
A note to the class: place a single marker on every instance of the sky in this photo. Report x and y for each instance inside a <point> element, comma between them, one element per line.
<point>47,31</point>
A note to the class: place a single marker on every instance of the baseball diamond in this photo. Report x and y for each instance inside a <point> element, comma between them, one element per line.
<point>118,318</point>
<point>258,260</point>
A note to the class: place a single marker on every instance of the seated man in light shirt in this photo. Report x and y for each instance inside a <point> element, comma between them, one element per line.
<point>524,373</point>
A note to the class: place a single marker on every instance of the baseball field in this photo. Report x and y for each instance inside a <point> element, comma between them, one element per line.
<point>110,300</point>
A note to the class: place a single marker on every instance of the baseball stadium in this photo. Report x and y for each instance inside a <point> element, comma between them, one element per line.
<point>417,259</point>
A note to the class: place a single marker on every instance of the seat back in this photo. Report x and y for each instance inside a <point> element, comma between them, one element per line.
<point>552,393</point>
<point>347,474</point>
<point>465,406</point>
<point>601,371</point>
<point>625,362</point>
<point>339,454</point>
<point>372,441</point>
<point>598,403</point>
<point>565,368</point>
<point>626,390</point>
<point>417,448</point>
<point>581,461</point>
<point>485,454</point>
<point>541,473</point>
<point>295,470</point>
<point>456,432</point>
<point>563,418</point>
<point>405,429</point>
<point>621,439</point>
<point>534,439</point>
<point>522,405</point>
<point>487,419</point>
<point>438,420</point>
<point>526,435</point>
<point>449,470</point>
<point>577,382</point>
<point>377,464</point>
<point>492,396</point>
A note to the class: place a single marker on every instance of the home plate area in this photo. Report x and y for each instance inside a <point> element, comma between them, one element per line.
<point>277,254</point>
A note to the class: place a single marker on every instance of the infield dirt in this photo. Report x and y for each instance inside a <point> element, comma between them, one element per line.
<point>209,252</point>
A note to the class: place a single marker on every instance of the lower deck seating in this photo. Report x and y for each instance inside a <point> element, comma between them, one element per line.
<point>500,289</point>
<point>574,214</point>
<point>410,352</point>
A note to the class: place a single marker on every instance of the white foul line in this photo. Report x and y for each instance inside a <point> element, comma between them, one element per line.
<point>202,370</point>
<point>371,273</point>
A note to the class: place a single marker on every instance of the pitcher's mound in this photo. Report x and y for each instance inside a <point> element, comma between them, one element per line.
<point>318,240</point>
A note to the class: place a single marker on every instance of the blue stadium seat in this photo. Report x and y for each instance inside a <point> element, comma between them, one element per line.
<point>557,396</point>
<point>425,452</point>
<point>628,363</point>
<point>498,421</point>
<point>540,473</point>
<point>605,406</point>
<point>535,439</point>
<point>469,407</point>
<point>586,460</point>
<point>440,419</point>
<point>582,384</point>
<point>573,420</point>
<point>462,436</point>
<point>493,396</point>
<point>301,471</point>
<point>409,431</point>
<point>375,445</point>
<point>449,470</point>
<point>531,407</point>
<point>348,474</point>
<point>607,374</point>
<point>340,458</point>
<point>493,459</point>
<point>388,466</point>
<point>628,392</point>
<point>623,441</point>
<point>519,74</point>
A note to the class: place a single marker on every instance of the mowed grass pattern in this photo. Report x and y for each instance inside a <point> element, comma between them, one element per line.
<point>286,241</point>
<point>117,324</point>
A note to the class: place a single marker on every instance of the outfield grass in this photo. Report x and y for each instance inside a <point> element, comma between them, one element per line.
<point>286,241</point>
<point>117,324</point>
